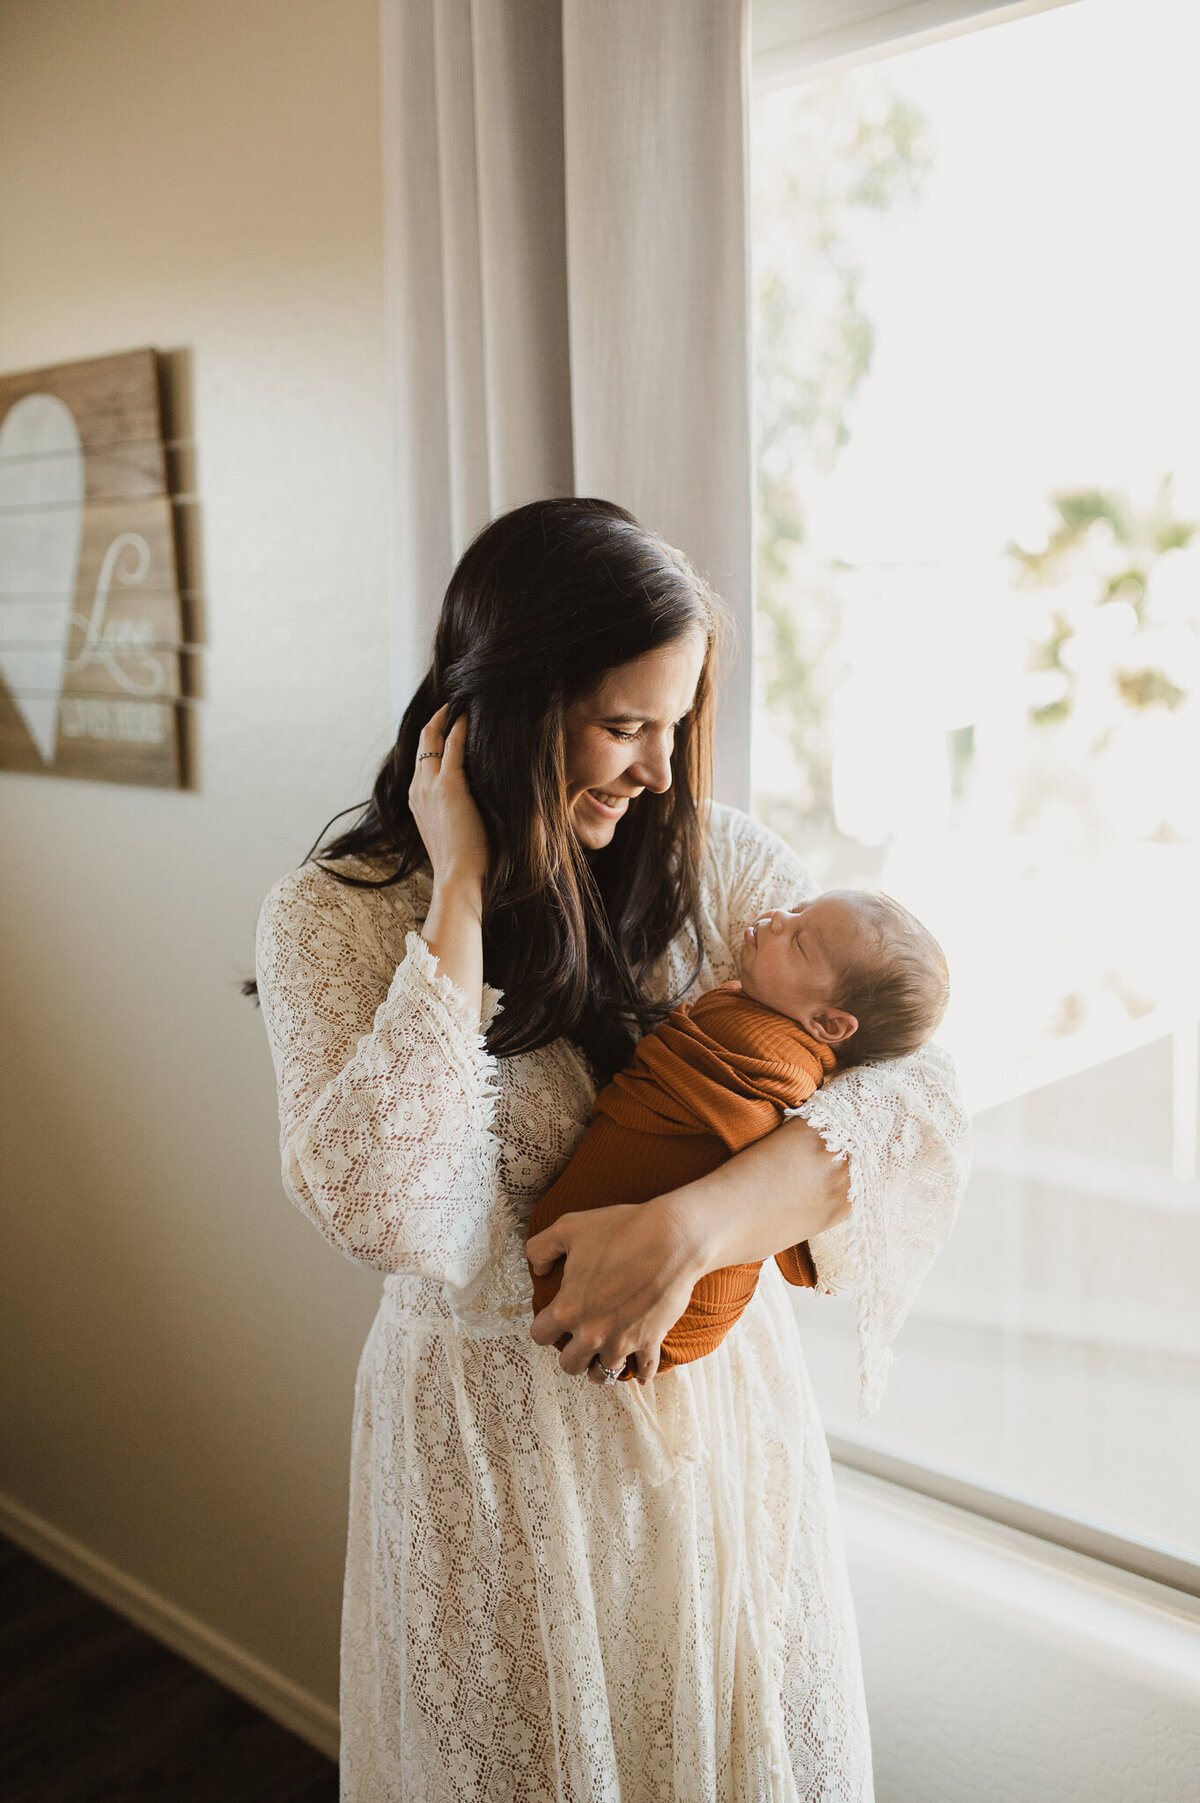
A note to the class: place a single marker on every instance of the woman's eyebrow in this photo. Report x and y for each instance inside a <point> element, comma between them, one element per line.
<point>628,719</point>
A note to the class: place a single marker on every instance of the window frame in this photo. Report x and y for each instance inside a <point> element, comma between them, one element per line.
<point>793,41</point>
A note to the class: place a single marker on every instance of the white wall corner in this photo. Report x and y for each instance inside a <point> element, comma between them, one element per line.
<point>295,1709</point>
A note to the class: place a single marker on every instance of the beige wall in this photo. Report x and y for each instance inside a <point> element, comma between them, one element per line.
<point>179,1344</point>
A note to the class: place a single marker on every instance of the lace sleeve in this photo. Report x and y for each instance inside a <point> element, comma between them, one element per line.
<point>904,1131</point>
<point>901,1126</point>
<point>386,1092</point>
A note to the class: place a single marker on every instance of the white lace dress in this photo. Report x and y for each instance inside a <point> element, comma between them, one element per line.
<point>556,1590</point>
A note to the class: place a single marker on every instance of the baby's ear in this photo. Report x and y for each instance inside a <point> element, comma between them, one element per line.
<point>832,1026</point>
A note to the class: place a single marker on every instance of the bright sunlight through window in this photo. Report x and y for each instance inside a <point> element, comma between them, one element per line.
<point>978,626</point>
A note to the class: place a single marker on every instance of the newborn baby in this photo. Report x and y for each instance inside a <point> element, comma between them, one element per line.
<point>848,978</point>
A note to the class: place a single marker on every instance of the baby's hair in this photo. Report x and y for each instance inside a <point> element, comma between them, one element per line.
<point>899,994</point>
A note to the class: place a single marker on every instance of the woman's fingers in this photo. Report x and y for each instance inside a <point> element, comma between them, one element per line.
<point>627,1276</point>
<point>580,1358</point>
<point>546,1329</point>
<point>545,1249</point>
<point>576,1356</point>
<point>443,807</point>
<point>434,736</point>
<point>433,727</point>
<point>454,743</point>
<point>430,744</point>
<point>606,1360</point>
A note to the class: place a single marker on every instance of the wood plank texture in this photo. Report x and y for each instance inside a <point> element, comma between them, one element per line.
<point>113,472</point>
<point>126,601</point>
<point>115,401</point>
<point>91,615</point>
<point>111,739</point>
<point>93,1711</point>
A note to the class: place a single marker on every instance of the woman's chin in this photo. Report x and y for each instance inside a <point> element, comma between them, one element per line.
<point>592,833</point>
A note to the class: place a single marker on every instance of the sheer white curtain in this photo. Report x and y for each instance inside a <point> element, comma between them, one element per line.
<point>568,285</point>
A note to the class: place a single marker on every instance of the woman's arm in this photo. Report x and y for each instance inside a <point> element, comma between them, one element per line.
<point>778,1192</point>
<point>386,1090</point>
<point>873,1186</point>
<point>454,837</point>
<point>630,1271</point>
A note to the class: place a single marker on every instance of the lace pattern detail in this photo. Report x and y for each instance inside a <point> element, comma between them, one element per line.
<point>551,1592</point>
<point>906,1136</point>
<point>385,1134</point>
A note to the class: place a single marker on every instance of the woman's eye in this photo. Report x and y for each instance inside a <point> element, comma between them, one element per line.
<point>625,737</point>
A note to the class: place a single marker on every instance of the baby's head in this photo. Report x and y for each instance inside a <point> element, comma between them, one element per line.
<point>854,969</point>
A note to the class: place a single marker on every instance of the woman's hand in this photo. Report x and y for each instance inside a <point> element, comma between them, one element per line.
<point>630,1271</point>
<point>452,829</point>
<point>448,821</point>
<point>629,1275</point>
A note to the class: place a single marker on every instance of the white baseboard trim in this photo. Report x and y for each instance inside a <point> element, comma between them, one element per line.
<point>286,1703</point>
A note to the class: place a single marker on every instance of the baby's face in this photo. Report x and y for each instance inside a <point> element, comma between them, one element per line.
<point>792,961</point>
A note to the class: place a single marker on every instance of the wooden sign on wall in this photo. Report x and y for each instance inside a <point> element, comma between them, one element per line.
<point>90,614</point>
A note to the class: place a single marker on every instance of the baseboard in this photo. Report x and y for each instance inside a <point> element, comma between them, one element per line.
<point>286,1703</point>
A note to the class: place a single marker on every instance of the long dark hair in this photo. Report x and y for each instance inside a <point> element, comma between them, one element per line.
<point>544,602</point>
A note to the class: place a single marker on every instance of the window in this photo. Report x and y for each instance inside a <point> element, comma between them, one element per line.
<point>978,688</point>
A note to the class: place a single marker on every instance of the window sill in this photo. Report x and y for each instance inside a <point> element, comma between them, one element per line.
<point>1163,1567</point>
<point>1113,1616</point>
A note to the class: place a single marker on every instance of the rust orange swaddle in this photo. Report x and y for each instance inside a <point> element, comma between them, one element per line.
<point>712,1078</point>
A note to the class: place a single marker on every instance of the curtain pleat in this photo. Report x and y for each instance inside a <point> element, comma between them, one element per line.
<point>567,224</point>
<point>655,118</point>
<point>522,225</point>
<point>458,213</point>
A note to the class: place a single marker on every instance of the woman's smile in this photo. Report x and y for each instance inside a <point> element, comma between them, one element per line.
<point>611,805</point>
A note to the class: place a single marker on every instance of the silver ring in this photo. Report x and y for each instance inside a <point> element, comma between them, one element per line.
<point>428,754</point>
<point>610,1377</point>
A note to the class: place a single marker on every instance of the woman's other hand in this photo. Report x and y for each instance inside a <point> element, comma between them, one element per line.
<point>447,818</point>
<point>628,1277</point>
<point>630,1271</point>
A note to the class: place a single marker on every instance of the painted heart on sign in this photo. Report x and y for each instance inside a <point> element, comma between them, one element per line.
<point>41,529</point>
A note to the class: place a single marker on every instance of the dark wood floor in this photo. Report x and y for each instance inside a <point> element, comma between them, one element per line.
<point>93,1711</point>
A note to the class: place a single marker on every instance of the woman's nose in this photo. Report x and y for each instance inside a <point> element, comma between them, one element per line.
<point>653,768</point>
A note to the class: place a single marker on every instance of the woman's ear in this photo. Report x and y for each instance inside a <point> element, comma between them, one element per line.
<point>832,1026</point>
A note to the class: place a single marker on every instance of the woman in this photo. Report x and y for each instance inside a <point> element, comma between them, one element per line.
<point>556,1590</point>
